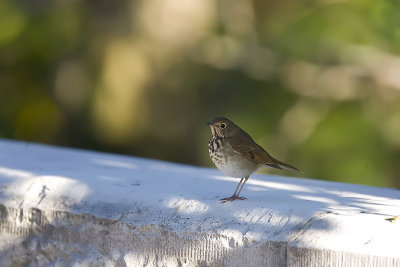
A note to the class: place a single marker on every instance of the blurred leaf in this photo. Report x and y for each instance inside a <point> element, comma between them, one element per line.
<point>12,22</point>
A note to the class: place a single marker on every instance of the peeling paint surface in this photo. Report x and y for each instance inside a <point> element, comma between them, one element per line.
<point>74,207</point>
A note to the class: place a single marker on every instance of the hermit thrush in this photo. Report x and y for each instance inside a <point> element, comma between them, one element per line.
<point>235,153</point>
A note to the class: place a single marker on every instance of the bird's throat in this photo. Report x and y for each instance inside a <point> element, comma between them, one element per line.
<point>213,132</point>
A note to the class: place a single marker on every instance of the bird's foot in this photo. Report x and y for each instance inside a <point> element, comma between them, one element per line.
<point>231,198</point>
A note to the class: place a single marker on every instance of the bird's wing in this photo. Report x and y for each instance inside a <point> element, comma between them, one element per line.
<point>252,151</point>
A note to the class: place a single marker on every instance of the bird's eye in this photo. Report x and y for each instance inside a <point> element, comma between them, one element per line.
<point>223,125</point>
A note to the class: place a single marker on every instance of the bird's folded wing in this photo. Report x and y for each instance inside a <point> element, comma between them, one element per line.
<point>255,153</point>
<point>252,151</point>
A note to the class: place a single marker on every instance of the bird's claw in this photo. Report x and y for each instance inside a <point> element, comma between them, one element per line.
<point>231,198</point>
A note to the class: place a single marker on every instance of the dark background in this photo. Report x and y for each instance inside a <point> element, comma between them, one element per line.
<point>317,83</point>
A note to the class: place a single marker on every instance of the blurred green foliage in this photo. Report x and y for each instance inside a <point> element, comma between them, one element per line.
<point>317,83</point>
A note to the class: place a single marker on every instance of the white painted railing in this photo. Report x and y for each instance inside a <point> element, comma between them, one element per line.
<point>63,206</point>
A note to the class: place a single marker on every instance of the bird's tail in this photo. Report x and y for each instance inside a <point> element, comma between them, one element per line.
<point>284,165</point>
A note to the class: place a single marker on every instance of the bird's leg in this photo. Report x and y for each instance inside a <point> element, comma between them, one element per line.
<point>236,196</point>
<point>241,180</point>
<point>245,180</point>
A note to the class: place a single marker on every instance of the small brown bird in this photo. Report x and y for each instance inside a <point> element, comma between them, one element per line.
<point>236,154</point>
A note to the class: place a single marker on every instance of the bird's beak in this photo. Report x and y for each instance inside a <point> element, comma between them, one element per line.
<point>208,123</point>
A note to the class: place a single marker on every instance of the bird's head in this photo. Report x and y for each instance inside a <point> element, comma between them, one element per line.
<point>223,127</point>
